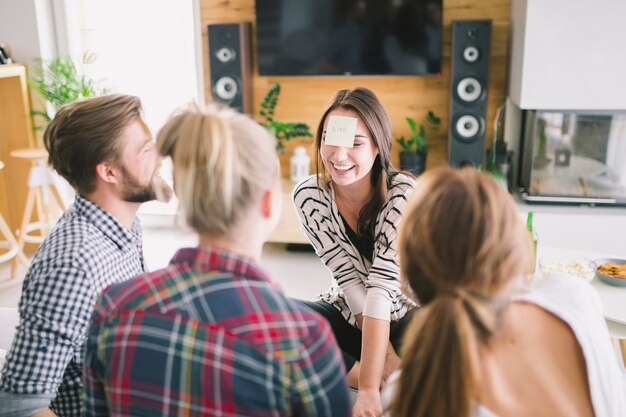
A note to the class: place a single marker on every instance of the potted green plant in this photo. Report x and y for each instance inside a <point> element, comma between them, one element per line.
<point>281,130</point>
<point>59,82</point>
<point>498,169</point>
<point>415,148</point>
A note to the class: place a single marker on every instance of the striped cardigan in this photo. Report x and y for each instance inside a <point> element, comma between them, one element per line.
<point>359,286</point>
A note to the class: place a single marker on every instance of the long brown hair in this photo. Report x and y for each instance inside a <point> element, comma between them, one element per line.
<point>369,108</point>
<point>461,244</point>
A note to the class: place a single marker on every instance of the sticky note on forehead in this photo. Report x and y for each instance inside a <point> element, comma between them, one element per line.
<point>340,131</point>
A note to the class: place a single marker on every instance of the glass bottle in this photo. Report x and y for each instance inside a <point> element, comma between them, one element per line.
<point>299,164</point>
<point>530,218</point>
<point>563,153</point>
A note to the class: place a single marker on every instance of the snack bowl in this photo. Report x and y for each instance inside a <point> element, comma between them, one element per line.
<point>606,278</point>
<point>578,267</point>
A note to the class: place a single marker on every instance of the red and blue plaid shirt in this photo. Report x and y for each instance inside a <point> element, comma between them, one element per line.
<point>210,335</point>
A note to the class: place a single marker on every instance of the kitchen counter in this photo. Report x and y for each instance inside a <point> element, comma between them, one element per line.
<point>596,229</point>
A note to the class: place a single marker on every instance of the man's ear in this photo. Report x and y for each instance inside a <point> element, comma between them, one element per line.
<point>267,203</point>
<point>107,172</point>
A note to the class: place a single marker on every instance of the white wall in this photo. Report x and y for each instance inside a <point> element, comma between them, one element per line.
<point>19,29</point>
<point>28,29</point>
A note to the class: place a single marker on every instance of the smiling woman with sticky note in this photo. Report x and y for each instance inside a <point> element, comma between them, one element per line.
<point>350,212</point>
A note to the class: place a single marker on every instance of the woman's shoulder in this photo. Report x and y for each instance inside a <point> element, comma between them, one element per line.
<point>400,188</point>
<point>401,184</point>
<point>309,191</point>
<point>306,186</point>
<point>577,304</point>
<point>564,292</point>
<point>573,301</point>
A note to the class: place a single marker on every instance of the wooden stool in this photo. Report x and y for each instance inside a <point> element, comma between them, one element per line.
<point>9,243</point>
<point>40,181</point>
<point>621,346</point>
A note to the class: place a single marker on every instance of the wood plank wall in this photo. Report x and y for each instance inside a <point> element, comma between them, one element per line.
<point>304,98</point>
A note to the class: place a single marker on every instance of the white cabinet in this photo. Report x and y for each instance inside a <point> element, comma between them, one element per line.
<point>568,54</point>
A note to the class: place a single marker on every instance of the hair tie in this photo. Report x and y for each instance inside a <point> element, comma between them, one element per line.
<point>450,292</point>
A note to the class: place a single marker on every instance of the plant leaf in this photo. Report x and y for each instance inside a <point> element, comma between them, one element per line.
<point>59,82</point>
<point>282,131</point>
<point>413,125</point>
<point>432,118</point>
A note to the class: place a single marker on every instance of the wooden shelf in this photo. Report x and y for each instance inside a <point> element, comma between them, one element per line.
<point>288,229</point>
<point>16,132</point>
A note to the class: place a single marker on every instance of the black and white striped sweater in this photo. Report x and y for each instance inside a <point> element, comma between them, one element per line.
<point>359,286</point>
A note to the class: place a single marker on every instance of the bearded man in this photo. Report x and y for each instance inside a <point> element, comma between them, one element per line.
<point>104,149</point>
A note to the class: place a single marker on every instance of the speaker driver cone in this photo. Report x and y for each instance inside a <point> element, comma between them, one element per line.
<point>225,55</point>
<point>469,89</point>
<point>467,126</point>
<point>471,54</point>
<point>226,88</point>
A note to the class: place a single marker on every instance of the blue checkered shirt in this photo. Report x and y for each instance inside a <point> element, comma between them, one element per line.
<point>87,251</point>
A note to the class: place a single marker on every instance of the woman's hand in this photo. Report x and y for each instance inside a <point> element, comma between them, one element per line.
<point>367,404</point>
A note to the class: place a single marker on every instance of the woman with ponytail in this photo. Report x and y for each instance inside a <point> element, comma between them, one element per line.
<point>211,334</point>
<point>475,349</point>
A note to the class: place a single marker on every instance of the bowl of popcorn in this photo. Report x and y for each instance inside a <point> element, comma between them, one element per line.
<point>577,267</point>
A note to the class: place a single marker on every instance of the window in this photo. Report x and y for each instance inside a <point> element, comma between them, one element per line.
<point>147,48</point>
<point>142,47</point>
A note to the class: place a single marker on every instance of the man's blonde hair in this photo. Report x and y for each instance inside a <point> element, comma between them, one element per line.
<point>222,162</point>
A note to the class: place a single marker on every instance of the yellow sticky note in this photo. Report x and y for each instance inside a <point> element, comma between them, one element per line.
<point>340,131</point>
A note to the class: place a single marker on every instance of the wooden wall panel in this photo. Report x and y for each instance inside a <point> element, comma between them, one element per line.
<point>304,98</point>
<point>16,132</point>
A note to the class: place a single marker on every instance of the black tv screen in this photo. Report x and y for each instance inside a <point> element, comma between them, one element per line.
<point>348,37</point>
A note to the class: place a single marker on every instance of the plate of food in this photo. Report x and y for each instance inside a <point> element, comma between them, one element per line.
<point>611,271</point>
<point>577,267</point>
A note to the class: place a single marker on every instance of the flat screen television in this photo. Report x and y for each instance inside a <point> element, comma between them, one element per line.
<point>348,37</point>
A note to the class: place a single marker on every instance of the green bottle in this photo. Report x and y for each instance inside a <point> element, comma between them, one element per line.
<point>533,236</point>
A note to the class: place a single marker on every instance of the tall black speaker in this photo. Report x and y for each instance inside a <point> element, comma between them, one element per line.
<point>230,64</point>
<point>468,103</point>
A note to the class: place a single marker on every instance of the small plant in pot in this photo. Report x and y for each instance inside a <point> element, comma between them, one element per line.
<point>497,165</point>
<point>415,148</point>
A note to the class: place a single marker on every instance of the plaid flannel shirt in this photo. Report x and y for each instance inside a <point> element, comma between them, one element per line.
<point>210,335</point>
<point>87,251</point>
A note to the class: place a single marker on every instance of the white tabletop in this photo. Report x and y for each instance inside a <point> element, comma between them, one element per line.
<point>613,298</point>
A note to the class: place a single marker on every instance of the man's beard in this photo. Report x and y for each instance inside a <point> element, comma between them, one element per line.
<point>135,192</point>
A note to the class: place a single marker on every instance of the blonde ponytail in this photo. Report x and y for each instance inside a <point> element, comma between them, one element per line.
<point>222,162</point>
